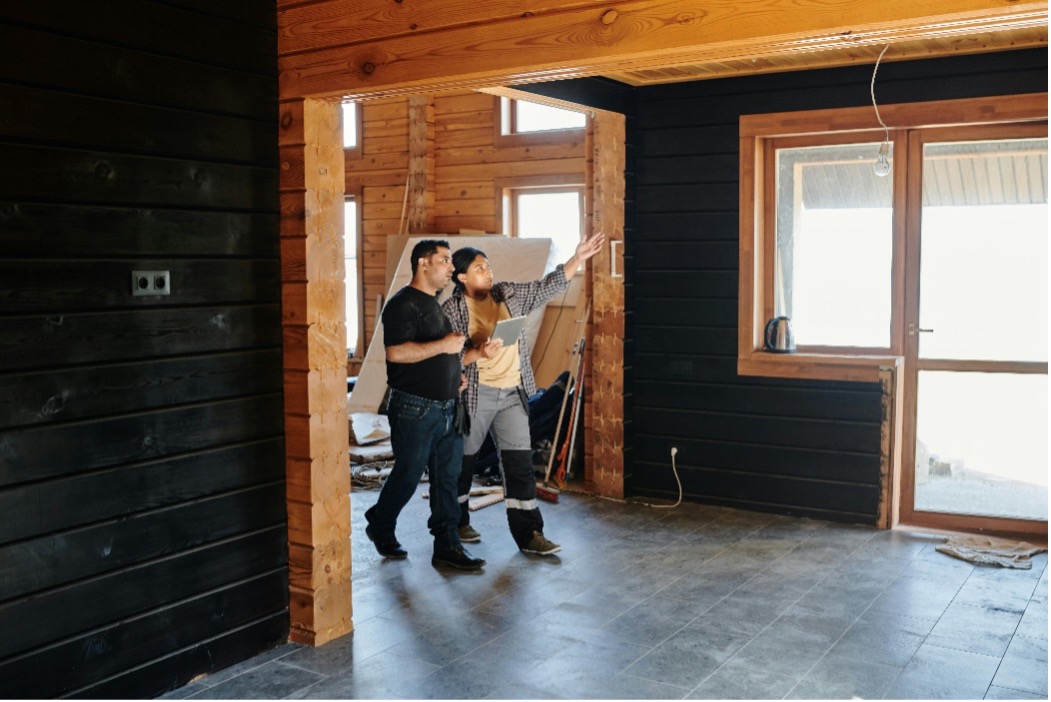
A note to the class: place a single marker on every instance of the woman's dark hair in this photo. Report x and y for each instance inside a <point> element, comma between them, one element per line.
<point>462,260</point>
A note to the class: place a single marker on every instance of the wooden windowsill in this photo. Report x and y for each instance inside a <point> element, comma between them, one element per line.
<point>815,366</point>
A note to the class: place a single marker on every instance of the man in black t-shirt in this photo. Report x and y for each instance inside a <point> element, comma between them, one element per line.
<point>423,371</point>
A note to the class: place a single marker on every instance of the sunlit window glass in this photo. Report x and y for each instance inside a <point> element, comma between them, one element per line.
<point>983,255</point>
<point>350,247</point>
<point>550,214</point>
<point>350,125</point>
<point>533,117</point>
<point>832,259</point>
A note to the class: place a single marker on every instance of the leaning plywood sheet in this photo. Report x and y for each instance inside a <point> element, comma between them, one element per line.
<point>511,259</point>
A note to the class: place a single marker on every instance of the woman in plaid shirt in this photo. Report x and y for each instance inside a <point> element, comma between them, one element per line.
<point>500,381</point>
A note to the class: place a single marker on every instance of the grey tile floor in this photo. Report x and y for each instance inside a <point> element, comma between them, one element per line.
<point>696,602</point>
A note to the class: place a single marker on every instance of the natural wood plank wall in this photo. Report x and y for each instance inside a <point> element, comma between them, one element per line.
<point>469,171</point>
<point>455,152</point>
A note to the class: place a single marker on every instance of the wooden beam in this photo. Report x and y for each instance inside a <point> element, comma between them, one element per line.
<point>573,39</point>
<point>606,380</point>
<point>310,27</point>
<point>314,332</point>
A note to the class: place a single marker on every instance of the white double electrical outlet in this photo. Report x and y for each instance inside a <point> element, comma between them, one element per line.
<point>150,283</point>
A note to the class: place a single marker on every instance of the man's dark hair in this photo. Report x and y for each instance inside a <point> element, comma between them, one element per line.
<point>462,260</point>
<point>423,249</point>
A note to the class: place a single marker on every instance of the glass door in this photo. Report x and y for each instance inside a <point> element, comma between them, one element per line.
<point>976,344</point>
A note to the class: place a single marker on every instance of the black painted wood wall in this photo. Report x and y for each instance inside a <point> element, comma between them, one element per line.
<point>142,498</point>
<point>795,447</point>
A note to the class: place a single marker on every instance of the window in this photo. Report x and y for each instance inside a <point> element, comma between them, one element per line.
<point>352,129</point>
<point>524,123</point>
<point>554,212</point>
<point>835,247</point>
<point>352,278</point>
<point>521,116</point>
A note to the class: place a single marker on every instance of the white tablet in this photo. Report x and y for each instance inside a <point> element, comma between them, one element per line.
<point>508,330</point>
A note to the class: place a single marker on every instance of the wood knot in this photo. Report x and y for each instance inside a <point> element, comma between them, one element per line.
<point>368,68</point>
<point>610,16</point>
<point>104,171</point>
<point>412,26</point>
<point>286,120</point>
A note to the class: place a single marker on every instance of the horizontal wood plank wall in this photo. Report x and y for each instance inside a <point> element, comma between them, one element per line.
<point>468,165</point>
<point>803,448</point>
<point>143,539</point>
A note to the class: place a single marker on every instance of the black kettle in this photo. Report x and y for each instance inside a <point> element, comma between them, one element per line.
<point>778,336</point>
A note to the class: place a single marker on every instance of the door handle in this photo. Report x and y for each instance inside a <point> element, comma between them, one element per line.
<point>913,329</point>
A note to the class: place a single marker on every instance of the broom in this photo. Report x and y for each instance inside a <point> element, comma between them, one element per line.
<point>545,491</point>
<point>565,456</point>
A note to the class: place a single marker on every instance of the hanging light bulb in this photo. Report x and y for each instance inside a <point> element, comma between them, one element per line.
<point>882,165</point>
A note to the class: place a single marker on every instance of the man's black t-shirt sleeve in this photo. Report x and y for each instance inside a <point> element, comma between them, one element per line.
<point>400,323</point>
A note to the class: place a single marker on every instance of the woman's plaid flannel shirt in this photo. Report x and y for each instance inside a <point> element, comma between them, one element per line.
<point>521,299</point>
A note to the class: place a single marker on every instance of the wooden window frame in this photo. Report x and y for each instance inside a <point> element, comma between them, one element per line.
<point>755,286</point>
<point>502,139</point>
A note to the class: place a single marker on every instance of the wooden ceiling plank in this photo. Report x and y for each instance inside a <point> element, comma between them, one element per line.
<point>637,34</point>
<point>345,22</point>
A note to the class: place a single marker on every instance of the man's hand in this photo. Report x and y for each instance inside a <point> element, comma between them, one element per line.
<point>463,382</point>
<point>453,342</point>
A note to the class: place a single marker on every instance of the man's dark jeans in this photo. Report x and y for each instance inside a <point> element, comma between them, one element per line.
<point>422,436</point>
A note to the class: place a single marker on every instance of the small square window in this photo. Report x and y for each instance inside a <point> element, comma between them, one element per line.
<point>523,117</point>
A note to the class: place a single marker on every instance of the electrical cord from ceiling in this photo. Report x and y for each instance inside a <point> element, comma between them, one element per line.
<point>882,165</point>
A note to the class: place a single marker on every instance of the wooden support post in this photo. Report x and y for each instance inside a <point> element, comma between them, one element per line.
<point>421,164</point>
<point>605,440</point>
<point>315,339</point>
